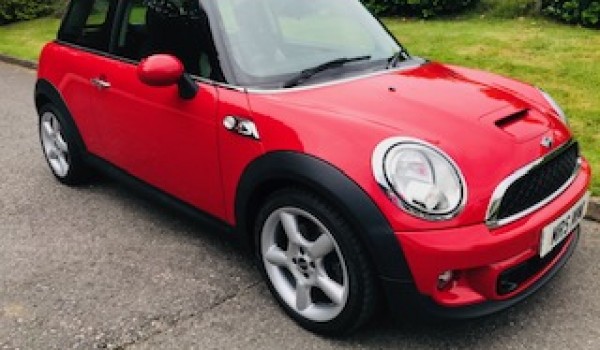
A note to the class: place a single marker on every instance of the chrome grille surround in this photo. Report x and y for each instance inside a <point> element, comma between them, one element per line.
<point>493,219</point>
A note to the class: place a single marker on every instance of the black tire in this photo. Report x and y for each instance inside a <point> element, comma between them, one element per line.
<point>78,172</point>
<point>360,301</point>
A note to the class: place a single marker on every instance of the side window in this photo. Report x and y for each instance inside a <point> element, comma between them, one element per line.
<point>88,23</point>
<point>133,34</point>
<point>99,14</point>
<point>176,27</point>
<point>137,13</point>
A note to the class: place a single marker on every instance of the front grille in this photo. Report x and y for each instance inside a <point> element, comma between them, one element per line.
<point>539,183</point>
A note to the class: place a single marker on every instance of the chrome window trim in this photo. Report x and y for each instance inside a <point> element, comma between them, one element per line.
<point>492,220</point>
<point>378,164</point>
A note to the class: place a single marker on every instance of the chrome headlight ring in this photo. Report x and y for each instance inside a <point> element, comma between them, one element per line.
<point>419,178</point>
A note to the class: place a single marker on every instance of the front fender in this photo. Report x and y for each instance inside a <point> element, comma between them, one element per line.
<point>275,170</point>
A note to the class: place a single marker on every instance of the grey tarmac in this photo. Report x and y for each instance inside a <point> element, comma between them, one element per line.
<point>99,267</point>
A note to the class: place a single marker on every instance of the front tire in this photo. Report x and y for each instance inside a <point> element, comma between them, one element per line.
<point>314,264</point>
<point>61,149</point>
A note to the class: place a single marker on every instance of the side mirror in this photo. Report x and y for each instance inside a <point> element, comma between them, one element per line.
<point>160,70</point>
<point>165,70</point>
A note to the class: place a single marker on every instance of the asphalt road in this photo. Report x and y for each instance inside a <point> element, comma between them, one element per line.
<point>100,267</point>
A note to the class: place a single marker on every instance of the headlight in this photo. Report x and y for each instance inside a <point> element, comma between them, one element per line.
<point>555,106</point>
<point>419,178</point>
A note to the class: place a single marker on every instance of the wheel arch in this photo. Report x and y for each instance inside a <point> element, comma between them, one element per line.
<point>46,93</point>
<point>277,170</point>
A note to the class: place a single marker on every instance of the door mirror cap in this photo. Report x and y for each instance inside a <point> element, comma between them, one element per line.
<point>160,70</point>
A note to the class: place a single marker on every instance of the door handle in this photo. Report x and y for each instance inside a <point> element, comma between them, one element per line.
<point>100,83</point>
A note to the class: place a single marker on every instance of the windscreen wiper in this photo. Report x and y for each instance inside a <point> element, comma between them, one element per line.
<point>308,73</point>
<point>395,59</point>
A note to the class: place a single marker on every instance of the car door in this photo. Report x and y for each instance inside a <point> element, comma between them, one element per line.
<point>151,132</point>
<point>84,35</point>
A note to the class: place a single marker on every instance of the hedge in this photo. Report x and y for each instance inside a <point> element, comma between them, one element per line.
<point>418,8</point>
<point>584,12</point>
<point>19,10</point>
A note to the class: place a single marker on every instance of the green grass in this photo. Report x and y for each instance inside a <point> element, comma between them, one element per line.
<point>25,39</point>
<point>561,59</point>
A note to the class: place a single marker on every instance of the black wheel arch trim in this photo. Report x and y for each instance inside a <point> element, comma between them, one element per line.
<point>45,91</point>
<point>288,168</point>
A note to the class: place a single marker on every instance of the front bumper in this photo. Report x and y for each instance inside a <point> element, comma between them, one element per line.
<point>482,257</point>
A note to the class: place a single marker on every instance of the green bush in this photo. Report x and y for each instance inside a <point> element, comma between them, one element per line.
<point>60,8</point>
<point>418,8</point>
<point>584,12</point>
<point>507,8</point>
<point>19,10</point>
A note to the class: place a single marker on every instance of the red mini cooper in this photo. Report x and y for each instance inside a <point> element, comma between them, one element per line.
<point>360,175</point>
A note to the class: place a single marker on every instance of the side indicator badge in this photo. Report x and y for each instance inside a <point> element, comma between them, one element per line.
<point>242,126</point>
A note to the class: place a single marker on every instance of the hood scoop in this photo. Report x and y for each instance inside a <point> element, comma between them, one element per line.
<point>523,124</point>
<point>511,119</point>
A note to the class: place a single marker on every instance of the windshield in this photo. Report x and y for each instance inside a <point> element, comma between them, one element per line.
<point>272,41</point>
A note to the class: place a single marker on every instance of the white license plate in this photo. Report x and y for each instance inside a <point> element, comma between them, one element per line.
<point>557,231</point>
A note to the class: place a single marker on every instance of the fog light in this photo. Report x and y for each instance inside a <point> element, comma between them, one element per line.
<point>445,278</point>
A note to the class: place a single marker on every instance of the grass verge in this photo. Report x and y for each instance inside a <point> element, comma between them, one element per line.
<point>561,59</point>
<point>25,39</point>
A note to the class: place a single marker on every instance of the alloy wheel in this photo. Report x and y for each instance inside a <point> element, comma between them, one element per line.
<point>55,147</point>
<point>304,264</point>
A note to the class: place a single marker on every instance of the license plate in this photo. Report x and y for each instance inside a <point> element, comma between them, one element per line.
<point>556,232</point>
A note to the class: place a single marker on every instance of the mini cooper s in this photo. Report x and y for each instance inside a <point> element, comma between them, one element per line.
<point>362,177</point>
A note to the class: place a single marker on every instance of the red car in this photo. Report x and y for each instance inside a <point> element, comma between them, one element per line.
<point>361,176</point>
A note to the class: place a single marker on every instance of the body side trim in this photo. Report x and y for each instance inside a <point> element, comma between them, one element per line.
<point>154,193</point>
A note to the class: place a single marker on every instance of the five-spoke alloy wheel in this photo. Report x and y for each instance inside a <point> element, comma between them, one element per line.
<point>310,275</point>
<point>63,154</point>
<point>54,145</point>
<point>314,263</point>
